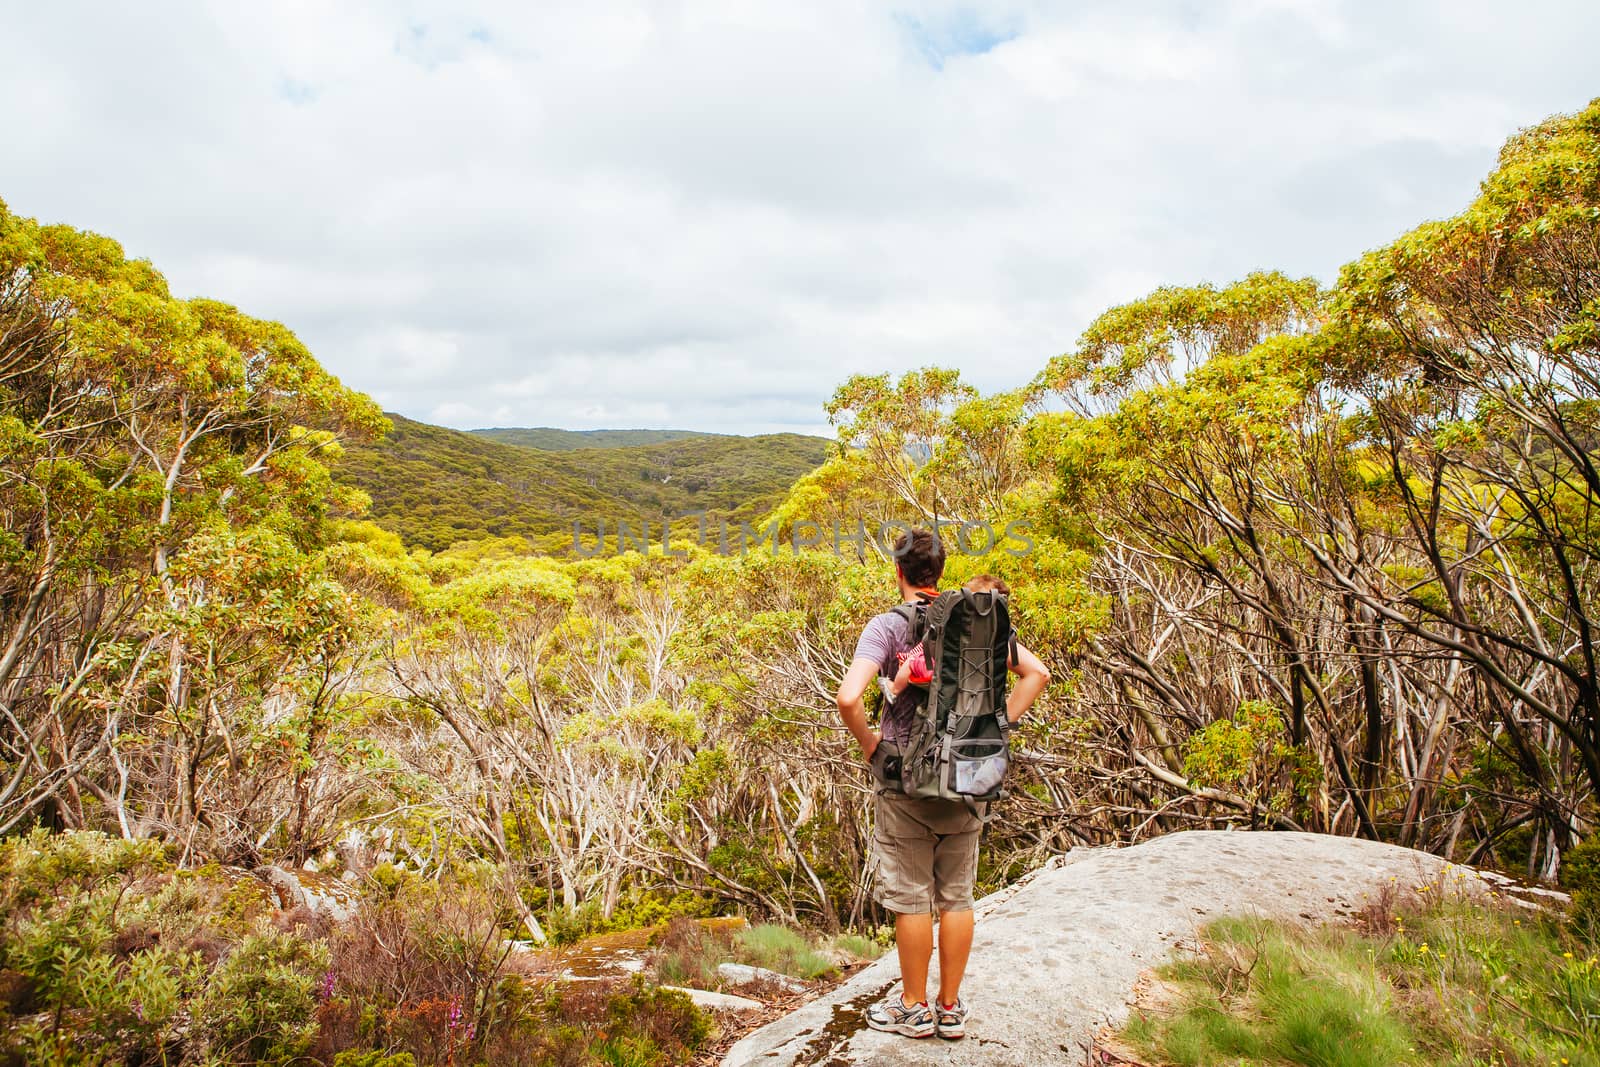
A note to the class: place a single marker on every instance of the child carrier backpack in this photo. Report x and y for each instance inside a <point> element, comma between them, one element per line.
<point>957,748</point>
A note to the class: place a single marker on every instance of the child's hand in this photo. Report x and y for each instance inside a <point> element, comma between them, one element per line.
<point>902,677</point>
<point>913,669</point>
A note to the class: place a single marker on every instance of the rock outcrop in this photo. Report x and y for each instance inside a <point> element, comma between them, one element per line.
<point>741,974</point>
<point>1056,957</point>
<point>323,896</point>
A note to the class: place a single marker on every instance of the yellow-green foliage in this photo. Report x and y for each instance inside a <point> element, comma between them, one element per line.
<point>1225,752</point>
<point>260,1004</point>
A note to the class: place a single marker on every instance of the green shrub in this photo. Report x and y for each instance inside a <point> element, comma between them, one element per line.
<point>352,1058</point>
<point>42,867</point>
<point>58,900</point>
<point>261,1003</point>
<point>78,943</point>
<point>665,1018</point>
<point>1580,866</point>
<point>564,926</point>
<point>1580,876</point>
<point>632,1023</point>
<point>627,1052</point>
<point>653,909</point>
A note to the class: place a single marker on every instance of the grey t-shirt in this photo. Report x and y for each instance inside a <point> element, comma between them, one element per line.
<point>882,641</point>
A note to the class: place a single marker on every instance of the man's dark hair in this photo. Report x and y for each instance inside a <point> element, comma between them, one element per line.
<point>920,556</point>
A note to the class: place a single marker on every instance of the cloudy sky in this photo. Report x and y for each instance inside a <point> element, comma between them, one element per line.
<point>707,215</point>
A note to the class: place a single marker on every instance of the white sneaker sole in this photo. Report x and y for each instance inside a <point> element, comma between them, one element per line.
<point>903,1029</point>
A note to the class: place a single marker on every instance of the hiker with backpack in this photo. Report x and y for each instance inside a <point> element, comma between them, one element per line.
<point>939,762</point>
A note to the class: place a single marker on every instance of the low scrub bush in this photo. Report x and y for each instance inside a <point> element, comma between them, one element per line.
<point>1580,876</point>
<point>260,1005</point>
<point>639,911</point>
<point>110,956</point>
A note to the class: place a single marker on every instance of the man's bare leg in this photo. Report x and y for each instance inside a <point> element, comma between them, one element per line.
<point>913,940</point>
<point>955,945</point>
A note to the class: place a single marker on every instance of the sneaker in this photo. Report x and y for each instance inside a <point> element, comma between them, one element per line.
<point>895,1016</point>
<point>952,1020</point>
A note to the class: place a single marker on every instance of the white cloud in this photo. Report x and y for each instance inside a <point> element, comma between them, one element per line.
<point>690,215</point>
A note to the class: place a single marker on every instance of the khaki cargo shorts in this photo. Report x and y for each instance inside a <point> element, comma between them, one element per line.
<point>924,854</point>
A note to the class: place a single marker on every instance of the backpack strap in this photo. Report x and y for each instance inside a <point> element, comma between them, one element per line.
<point>984,817</point>
<point>914,616</point>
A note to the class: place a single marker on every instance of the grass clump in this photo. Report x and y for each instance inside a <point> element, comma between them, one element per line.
<point>689,953</point>
<point>859,946</point>
<point>778,948</point>
<point>1442,982</point>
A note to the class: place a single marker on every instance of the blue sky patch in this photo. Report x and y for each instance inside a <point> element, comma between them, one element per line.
<point>432,46</point>
<point>959,32</point>
<point>296,92</point>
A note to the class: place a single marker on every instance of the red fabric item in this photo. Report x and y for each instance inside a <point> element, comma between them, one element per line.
<point>920,675</point>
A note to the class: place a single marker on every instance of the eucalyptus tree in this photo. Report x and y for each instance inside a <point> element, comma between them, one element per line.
<point>1475,344</point>
<point>137,426</point>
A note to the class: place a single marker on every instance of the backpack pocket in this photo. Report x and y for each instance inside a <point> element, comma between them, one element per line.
<point>978,766</point>
<point>885,766</point>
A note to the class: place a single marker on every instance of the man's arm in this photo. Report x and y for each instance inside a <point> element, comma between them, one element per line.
<point>1032,677</point>
<point>853,709</point>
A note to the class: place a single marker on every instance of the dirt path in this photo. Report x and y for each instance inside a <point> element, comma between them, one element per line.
<point>1057,956</point>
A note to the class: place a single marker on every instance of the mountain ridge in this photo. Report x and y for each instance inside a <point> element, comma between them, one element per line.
<point>556,439</point>
<point>436,486</point>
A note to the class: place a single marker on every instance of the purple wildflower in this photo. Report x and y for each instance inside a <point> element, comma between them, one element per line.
<point>455,1014</point>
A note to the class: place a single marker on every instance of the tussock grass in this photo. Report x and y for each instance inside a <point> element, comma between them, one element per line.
<point>778,948</point>
<point>1427,982</point>
<point>859,946</point>
<point>688,953</point>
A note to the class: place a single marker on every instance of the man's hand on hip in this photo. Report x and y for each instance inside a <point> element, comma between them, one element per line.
<point>869,746</point>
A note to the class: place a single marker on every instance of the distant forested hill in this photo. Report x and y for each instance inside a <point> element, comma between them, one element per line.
<point>435,486</point>
<point>554,440</point>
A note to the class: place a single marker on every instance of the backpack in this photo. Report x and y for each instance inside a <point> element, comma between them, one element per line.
<point>957,748</point>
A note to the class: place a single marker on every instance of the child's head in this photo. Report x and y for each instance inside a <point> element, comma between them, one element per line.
<point>985,583</point>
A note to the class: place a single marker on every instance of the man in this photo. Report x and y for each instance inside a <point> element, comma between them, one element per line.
<point>925,849</point>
